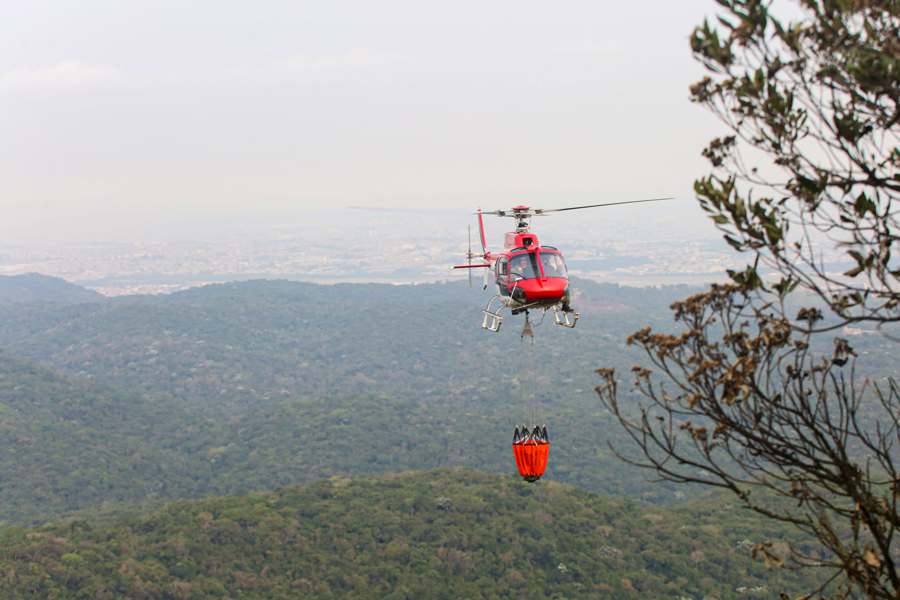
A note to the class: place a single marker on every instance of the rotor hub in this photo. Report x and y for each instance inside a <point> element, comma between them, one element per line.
<point>522,214</point>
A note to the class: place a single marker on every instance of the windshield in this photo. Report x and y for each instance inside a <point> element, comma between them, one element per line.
<point>524,266</point>
<point>554,266</point>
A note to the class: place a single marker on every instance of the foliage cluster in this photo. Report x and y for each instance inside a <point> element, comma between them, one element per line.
<point>806,183</point>
<point>442,534</point>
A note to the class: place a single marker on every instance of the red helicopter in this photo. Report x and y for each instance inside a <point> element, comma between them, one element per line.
<point>529,276</point>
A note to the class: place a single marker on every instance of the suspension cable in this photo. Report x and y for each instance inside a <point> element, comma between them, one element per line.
<point>529,378</point>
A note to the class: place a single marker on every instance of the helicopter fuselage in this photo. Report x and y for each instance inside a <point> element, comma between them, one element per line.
<point>527,274</point>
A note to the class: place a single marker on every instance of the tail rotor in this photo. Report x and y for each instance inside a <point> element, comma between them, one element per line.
<point>483,256</point>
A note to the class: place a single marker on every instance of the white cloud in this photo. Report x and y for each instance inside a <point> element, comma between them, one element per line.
<point>66,74</point>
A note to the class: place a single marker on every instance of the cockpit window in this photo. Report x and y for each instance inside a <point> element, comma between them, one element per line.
<point>554,265</point>
<point>524,266</point>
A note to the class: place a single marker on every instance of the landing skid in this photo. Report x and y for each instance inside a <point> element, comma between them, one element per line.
<point>565,318</point>
<point>492,317</point>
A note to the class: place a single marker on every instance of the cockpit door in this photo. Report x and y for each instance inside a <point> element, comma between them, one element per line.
<point>503,275</point>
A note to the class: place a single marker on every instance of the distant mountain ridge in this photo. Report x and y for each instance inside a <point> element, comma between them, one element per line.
<point>261,384</point>
<point>256,385</point>
<point>34,287</point>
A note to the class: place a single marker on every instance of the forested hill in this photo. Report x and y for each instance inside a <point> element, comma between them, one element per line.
<point>257,385</point>
<point>267,383</point>
<point>437,534</point>
<point>67,443</point>
<point>230,346</point>
<point>33,287</point>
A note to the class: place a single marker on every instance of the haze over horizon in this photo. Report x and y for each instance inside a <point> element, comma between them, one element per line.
<point>134,121</point>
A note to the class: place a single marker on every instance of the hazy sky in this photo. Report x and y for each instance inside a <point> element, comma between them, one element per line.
<point>115,113</point>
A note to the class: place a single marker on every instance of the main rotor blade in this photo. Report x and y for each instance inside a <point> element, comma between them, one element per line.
<point>541,211</point>
<point>389,209</point>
